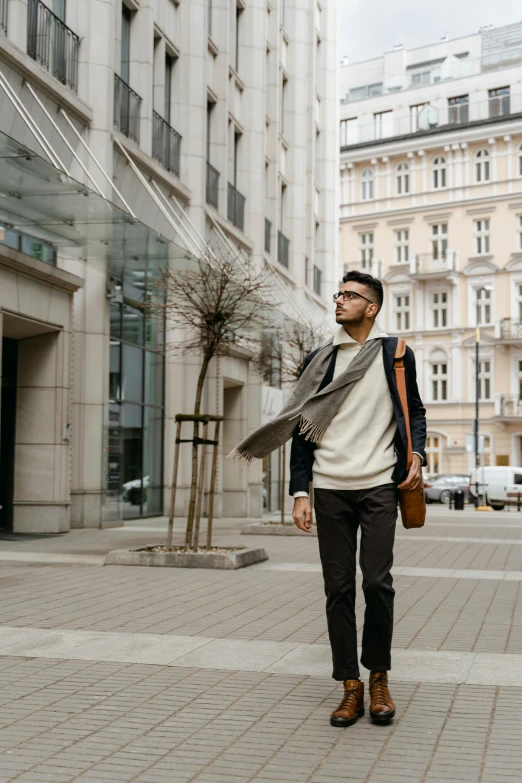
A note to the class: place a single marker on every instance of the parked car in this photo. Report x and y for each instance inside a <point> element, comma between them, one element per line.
<point>440,488</point>
<point>498,485</point>
<point>132,491</point>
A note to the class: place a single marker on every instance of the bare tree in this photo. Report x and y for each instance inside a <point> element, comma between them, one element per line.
<point>299,340</point>
<point>283,352</point>
<point>222,304</point>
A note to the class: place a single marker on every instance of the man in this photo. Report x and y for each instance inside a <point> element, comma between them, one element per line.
<point>350,441</point>
<point>355,468</point>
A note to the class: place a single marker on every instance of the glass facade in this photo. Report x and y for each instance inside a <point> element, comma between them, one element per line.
<point>31,246</point>
<point>134,424</point>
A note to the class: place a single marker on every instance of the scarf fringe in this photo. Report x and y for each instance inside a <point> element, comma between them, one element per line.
<point>310,430</point>
<point>241,456</point>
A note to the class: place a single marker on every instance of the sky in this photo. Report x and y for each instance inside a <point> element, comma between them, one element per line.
<point>371,27</point>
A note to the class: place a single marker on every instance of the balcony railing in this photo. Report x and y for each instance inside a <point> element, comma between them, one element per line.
<point>499,105</point>
<point>433,117</point>
<point>127,107</point>
<point>458,113</point>
<point>510,329</point>
<point>371,266</point>
<point>508,406</point>
<point>166,144</point>
<point>433,263</point>
<point>50,42</point>
<point>268,232</point>
<point>283,248</point>
<point>236,207</point>
<point>3,15</point>
<point>212,185</point>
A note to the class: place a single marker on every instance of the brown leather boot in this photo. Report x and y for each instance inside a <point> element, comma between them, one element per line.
<point>382,708</point>
<point>352,705</point>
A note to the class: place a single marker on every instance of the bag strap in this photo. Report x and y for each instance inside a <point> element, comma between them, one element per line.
<point>400,377</point>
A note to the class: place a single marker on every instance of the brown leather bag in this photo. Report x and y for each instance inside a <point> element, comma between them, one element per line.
<point>412,503</point>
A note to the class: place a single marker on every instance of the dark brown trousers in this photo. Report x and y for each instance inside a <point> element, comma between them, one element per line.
<point>339,514</point>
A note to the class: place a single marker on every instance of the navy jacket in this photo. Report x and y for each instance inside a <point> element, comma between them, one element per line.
<point>302,453</point>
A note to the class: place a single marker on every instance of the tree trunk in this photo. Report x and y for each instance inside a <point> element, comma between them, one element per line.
<point>194,478</point>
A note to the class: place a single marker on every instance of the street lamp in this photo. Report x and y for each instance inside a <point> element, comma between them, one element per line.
<point>477,390</point>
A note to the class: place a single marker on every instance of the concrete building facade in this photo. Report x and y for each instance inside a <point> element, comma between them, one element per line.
<point>431,202</point>
<point>132,133</point>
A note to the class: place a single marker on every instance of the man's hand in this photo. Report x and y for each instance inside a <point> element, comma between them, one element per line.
<point>302,514</point>
<point>413,480</point>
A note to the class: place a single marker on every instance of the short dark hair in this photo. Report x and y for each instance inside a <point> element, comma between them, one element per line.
<point>369,281</point>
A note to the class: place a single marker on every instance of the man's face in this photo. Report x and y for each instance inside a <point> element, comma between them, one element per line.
<point>354,311</point>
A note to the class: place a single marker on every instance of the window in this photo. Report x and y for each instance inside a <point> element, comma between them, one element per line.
<point>136,409</point>
<point>439,172</point>
<point>483,307</point>
<point>421,77</point>
<point>349,132</point>
<point>439,382</point>
<point>439,309</point>
<point>210,107</point>
<point>169,65</point>
<point>59,9</point>
<point>414,116</point>
<point>519,300</point>
<point>481,237</point>
<point>367,91</point>
<point>439,240</point>
<point>433,453</point>
<point>402,179</point>
<point>374,90</point>
<point>519,379</point>
<point>284,82</point>
<point>519,226</point>
<point>366,185</point>
<point>485,380</point>
<point>458,110</point>
<point>318,281</point>
<point>482,166</point>
<point>402,312</point>
<point>402,246</point>
<point>520,161</point>
<point>383,124</point>
<point>125,43</point>
<point>499,102</point>
<point>366,249</point>
<point>486,457</point>
<point>238,12</point>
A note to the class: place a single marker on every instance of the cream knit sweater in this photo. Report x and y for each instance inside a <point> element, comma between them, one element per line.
<point>357,450</point>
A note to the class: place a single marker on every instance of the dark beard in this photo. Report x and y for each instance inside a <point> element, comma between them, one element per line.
<point>354,321</point>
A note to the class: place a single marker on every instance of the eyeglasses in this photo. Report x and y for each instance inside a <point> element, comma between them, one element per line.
<point>348,296</point>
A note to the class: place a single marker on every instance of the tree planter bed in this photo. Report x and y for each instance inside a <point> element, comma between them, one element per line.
<point>229,558</point>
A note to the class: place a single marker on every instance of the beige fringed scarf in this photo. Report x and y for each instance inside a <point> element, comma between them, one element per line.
<point>315,410</point>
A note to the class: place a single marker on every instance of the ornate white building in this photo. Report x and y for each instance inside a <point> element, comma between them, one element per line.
<point>431,202</point>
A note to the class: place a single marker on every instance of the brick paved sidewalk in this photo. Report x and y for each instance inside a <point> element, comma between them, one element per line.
<point>105,721</point>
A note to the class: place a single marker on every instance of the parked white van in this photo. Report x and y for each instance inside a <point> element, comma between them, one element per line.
<point>499,486</point>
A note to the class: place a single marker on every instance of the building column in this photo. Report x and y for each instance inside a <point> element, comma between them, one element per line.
<point>99,26</point>
<point>191,87</point>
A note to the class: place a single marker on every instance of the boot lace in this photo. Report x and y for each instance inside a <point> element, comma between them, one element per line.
<point>349,695</point>
<point>378,689</point>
